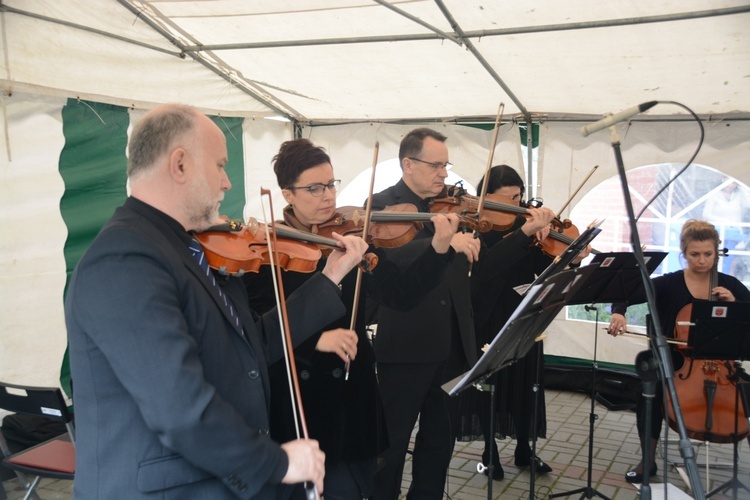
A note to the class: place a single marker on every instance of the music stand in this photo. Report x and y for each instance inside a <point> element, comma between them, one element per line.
<point>538,308</point>
<point>616,279</point>
<point>718,330</point>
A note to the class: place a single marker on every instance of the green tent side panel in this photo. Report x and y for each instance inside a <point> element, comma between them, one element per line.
<point>234,200</point>
<point>92,165</point>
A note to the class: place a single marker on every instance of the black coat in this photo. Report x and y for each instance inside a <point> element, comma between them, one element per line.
<point>344,416</point>
<point>423,335</point>
<point>171,398</point>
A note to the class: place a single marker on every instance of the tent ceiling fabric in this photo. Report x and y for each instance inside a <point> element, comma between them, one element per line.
<point>321,61</point>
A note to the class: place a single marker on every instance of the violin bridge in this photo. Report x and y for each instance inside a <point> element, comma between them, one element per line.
<point>253,226</point>
<point>356,217</point>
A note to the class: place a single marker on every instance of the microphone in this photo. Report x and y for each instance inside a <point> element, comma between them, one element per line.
<point>590,308</point>
<point>610,120</point>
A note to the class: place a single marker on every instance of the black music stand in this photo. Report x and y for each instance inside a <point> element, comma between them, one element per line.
<point>539,307</point>
<point>616,279</point>
<point>719,330</point>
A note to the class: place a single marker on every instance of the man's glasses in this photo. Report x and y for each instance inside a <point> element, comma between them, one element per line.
<point>435,165</point>
<point>318,188</point>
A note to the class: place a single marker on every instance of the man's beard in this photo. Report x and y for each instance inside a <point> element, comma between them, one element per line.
<point>201,208</point>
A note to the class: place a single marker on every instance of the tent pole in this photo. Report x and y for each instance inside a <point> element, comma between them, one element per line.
<point>531,168</point>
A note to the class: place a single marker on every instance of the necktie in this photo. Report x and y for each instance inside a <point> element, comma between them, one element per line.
<point>200,257</point>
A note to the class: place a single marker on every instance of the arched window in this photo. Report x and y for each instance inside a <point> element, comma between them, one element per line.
<point>701,192</point>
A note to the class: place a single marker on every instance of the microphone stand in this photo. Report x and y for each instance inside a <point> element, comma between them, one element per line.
<point>660,349</point>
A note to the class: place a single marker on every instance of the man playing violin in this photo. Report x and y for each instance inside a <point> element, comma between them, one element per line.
<point>699,242</point>
<point>337,365</point>
<point>419,350</point>
<point>170,368</point>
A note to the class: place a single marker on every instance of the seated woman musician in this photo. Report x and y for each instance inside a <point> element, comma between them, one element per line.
<point>337,365</point>
<point>699,242</point>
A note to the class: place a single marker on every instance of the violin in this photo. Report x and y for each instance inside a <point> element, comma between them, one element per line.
<point>392,227</point>
<point>234,249</point>
<point>705,388</point>
<point>501,213</point>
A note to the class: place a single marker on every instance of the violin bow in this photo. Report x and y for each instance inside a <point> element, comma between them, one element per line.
<point>311,491</point>
<point>559,214</point>
<point>365,229</point>
<point>493,144</point>
<point>483,195</point>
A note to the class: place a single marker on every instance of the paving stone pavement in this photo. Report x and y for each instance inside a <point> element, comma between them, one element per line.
<point>615,451</point>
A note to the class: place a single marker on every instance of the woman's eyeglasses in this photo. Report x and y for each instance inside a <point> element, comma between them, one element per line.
<point>317,189</point>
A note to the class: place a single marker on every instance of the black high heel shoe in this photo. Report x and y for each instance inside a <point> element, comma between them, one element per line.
<point>632,476</point>
<point>524,460</point>
<point>498,474</point>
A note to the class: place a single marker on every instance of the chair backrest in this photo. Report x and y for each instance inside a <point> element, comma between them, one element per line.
<point>53,458</point>
<point>40,401</point>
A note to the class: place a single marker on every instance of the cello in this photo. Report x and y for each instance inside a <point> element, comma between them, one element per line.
<point>706,388</point>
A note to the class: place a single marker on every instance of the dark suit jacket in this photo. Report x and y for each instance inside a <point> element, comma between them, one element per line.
<point>171,399</point>
<point>423,334</point>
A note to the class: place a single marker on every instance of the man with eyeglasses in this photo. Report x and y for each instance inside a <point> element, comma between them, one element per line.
<point>419,350</point>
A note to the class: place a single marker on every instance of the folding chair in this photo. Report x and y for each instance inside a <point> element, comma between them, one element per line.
<point>54,458</point>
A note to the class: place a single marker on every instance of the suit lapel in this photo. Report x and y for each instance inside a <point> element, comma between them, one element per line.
<point>196,271</point>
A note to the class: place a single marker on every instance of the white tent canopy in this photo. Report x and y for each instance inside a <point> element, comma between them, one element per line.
<point>333,60</point>
<point>348,73</point>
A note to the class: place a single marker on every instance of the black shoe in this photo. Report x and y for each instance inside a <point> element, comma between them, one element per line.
<point>637,477</point>
<point>525,461</point>
<point>497,472</point>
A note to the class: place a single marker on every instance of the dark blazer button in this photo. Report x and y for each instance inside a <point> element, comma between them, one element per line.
<point>264,432</point>
<point>442,302</point>
<point>253,374</point>
<point>337,373</point>
<point>304,375</point>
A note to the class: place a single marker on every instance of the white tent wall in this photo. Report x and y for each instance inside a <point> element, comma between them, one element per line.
<point>351,147</point>
<point>261,139</point>
<point>32,260</point>
<point>565,158</point>
<point>32,264</point>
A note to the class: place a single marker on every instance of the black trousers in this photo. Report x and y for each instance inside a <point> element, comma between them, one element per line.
<point>411,392</point>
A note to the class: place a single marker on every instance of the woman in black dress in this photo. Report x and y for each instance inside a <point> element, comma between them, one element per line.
<point>494,300</point>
